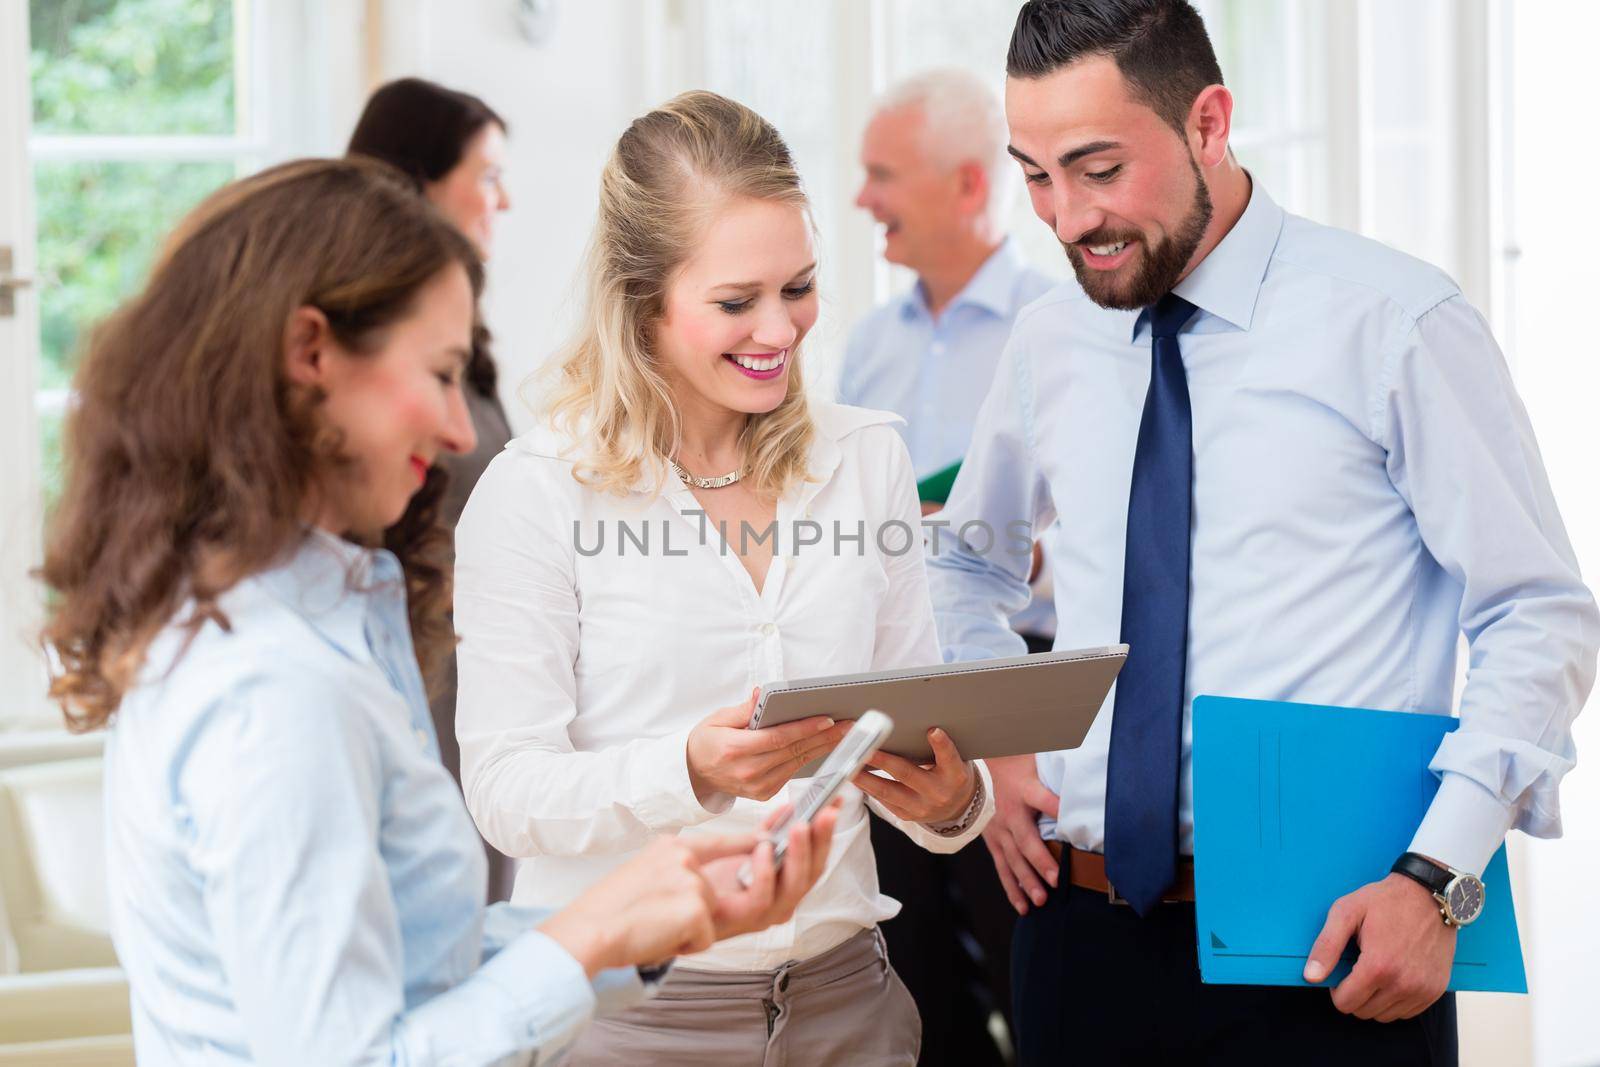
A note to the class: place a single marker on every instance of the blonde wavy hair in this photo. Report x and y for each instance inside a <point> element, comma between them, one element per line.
<point>606,390</point>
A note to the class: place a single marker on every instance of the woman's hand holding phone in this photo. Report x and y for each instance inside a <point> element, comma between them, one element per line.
<point>772,892</point>
<point>680,895</point>
<point>655,906</point>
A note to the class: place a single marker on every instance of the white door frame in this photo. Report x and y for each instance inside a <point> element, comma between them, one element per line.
<point>21,608</point>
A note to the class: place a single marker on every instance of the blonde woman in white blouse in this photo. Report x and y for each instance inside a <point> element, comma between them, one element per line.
<point>681,527</point>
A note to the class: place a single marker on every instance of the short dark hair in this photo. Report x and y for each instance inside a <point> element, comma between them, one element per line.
<point>1160,46</point>
<point>420,128</point>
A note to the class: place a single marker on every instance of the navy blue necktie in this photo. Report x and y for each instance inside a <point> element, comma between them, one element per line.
<point>1147,718</point>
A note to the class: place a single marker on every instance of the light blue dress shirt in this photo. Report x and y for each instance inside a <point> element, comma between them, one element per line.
<point>294,877</point>
<point>935,372</point>
<point>1367,488</point>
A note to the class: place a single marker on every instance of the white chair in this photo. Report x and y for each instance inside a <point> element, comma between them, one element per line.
<point>75,1018</point>
<point>53,882</point>
<point>63,1001</point>
<point>22,747</point>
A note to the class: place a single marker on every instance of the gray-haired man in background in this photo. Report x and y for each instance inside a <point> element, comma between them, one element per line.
<point>936,167</point>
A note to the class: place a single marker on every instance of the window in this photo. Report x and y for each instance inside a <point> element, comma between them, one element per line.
<point>1276,56</point>
<point>1425,120</point>
<point>139,109</point>
<point>1369,117</point>
<point>137,114</point>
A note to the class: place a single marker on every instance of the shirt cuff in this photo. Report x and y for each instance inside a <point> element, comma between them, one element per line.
<point>668,802</point>
<point>505,923</point>
<point>620,988</point>
<point>1463,826</point>
<point>551,994</point>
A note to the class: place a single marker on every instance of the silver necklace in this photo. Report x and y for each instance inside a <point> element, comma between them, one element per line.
<point>705,483</point>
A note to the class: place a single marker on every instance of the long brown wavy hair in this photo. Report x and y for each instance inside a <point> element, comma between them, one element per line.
<point>190,458</point>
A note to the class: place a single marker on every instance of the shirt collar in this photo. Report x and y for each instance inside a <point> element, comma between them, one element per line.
<point>552,442</point>
<point>1227,282</point>
<point>989,289</point>
<point>833,423</point>
<point>328,582</point>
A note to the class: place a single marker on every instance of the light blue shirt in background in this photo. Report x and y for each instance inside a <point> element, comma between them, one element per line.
<point>1367,488</point>
<point>934,373</point>
<point>294,877</point>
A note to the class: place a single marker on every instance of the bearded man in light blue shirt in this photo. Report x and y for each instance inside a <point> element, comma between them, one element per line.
<point>1287,463</point>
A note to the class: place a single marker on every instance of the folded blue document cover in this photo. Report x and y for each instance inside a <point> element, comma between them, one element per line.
<point>1296,805</point>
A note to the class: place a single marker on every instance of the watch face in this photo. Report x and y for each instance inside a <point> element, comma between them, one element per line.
<point>1464,898</point>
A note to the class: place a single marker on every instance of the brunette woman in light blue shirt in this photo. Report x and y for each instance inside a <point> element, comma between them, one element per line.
<point>246,571</point>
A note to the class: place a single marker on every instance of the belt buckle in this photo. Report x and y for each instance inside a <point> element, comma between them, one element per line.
<point>1112,897</point>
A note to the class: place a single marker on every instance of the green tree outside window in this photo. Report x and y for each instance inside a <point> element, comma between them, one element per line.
<point>118,68</point>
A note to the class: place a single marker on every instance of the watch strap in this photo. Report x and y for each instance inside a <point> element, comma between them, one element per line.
<point>1432,876</point>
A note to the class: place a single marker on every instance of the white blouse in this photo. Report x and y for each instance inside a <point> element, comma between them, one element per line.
<point>597,630</point>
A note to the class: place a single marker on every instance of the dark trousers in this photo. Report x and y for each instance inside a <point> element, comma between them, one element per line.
<point>1096,984</point>
<point>950,944</point>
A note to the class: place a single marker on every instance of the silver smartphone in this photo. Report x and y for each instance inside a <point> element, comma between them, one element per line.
<point>842,764</point>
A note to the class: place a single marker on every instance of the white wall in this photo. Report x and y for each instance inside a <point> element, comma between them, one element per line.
<point>1556,353</point>
<point>566,102</point>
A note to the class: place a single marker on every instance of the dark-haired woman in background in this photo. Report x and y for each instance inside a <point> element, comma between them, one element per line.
<point>452,146</point>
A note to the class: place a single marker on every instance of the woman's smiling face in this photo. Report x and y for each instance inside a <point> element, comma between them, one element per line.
<point>738,308</point>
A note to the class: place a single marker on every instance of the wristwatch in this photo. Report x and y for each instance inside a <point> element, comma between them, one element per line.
<point>1460,895</point>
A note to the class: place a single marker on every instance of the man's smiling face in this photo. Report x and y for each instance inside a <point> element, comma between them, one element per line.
<point>1119,186</point>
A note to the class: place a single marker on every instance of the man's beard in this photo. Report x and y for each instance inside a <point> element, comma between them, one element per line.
<point>1158,269</point>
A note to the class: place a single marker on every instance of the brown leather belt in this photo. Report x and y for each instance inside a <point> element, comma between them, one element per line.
<point>1087,870</point>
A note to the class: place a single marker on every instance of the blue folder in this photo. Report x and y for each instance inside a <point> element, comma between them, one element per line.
<point>1296,805</point>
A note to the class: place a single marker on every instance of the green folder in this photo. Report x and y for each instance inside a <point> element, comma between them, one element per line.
<point>935,488</point>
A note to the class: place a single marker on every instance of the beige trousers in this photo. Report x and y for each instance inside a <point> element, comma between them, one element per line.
<point>845,1007</point>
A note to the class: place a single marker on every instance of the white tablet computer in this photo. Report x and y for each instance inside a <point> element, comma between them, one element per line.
<point>993,707</point>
